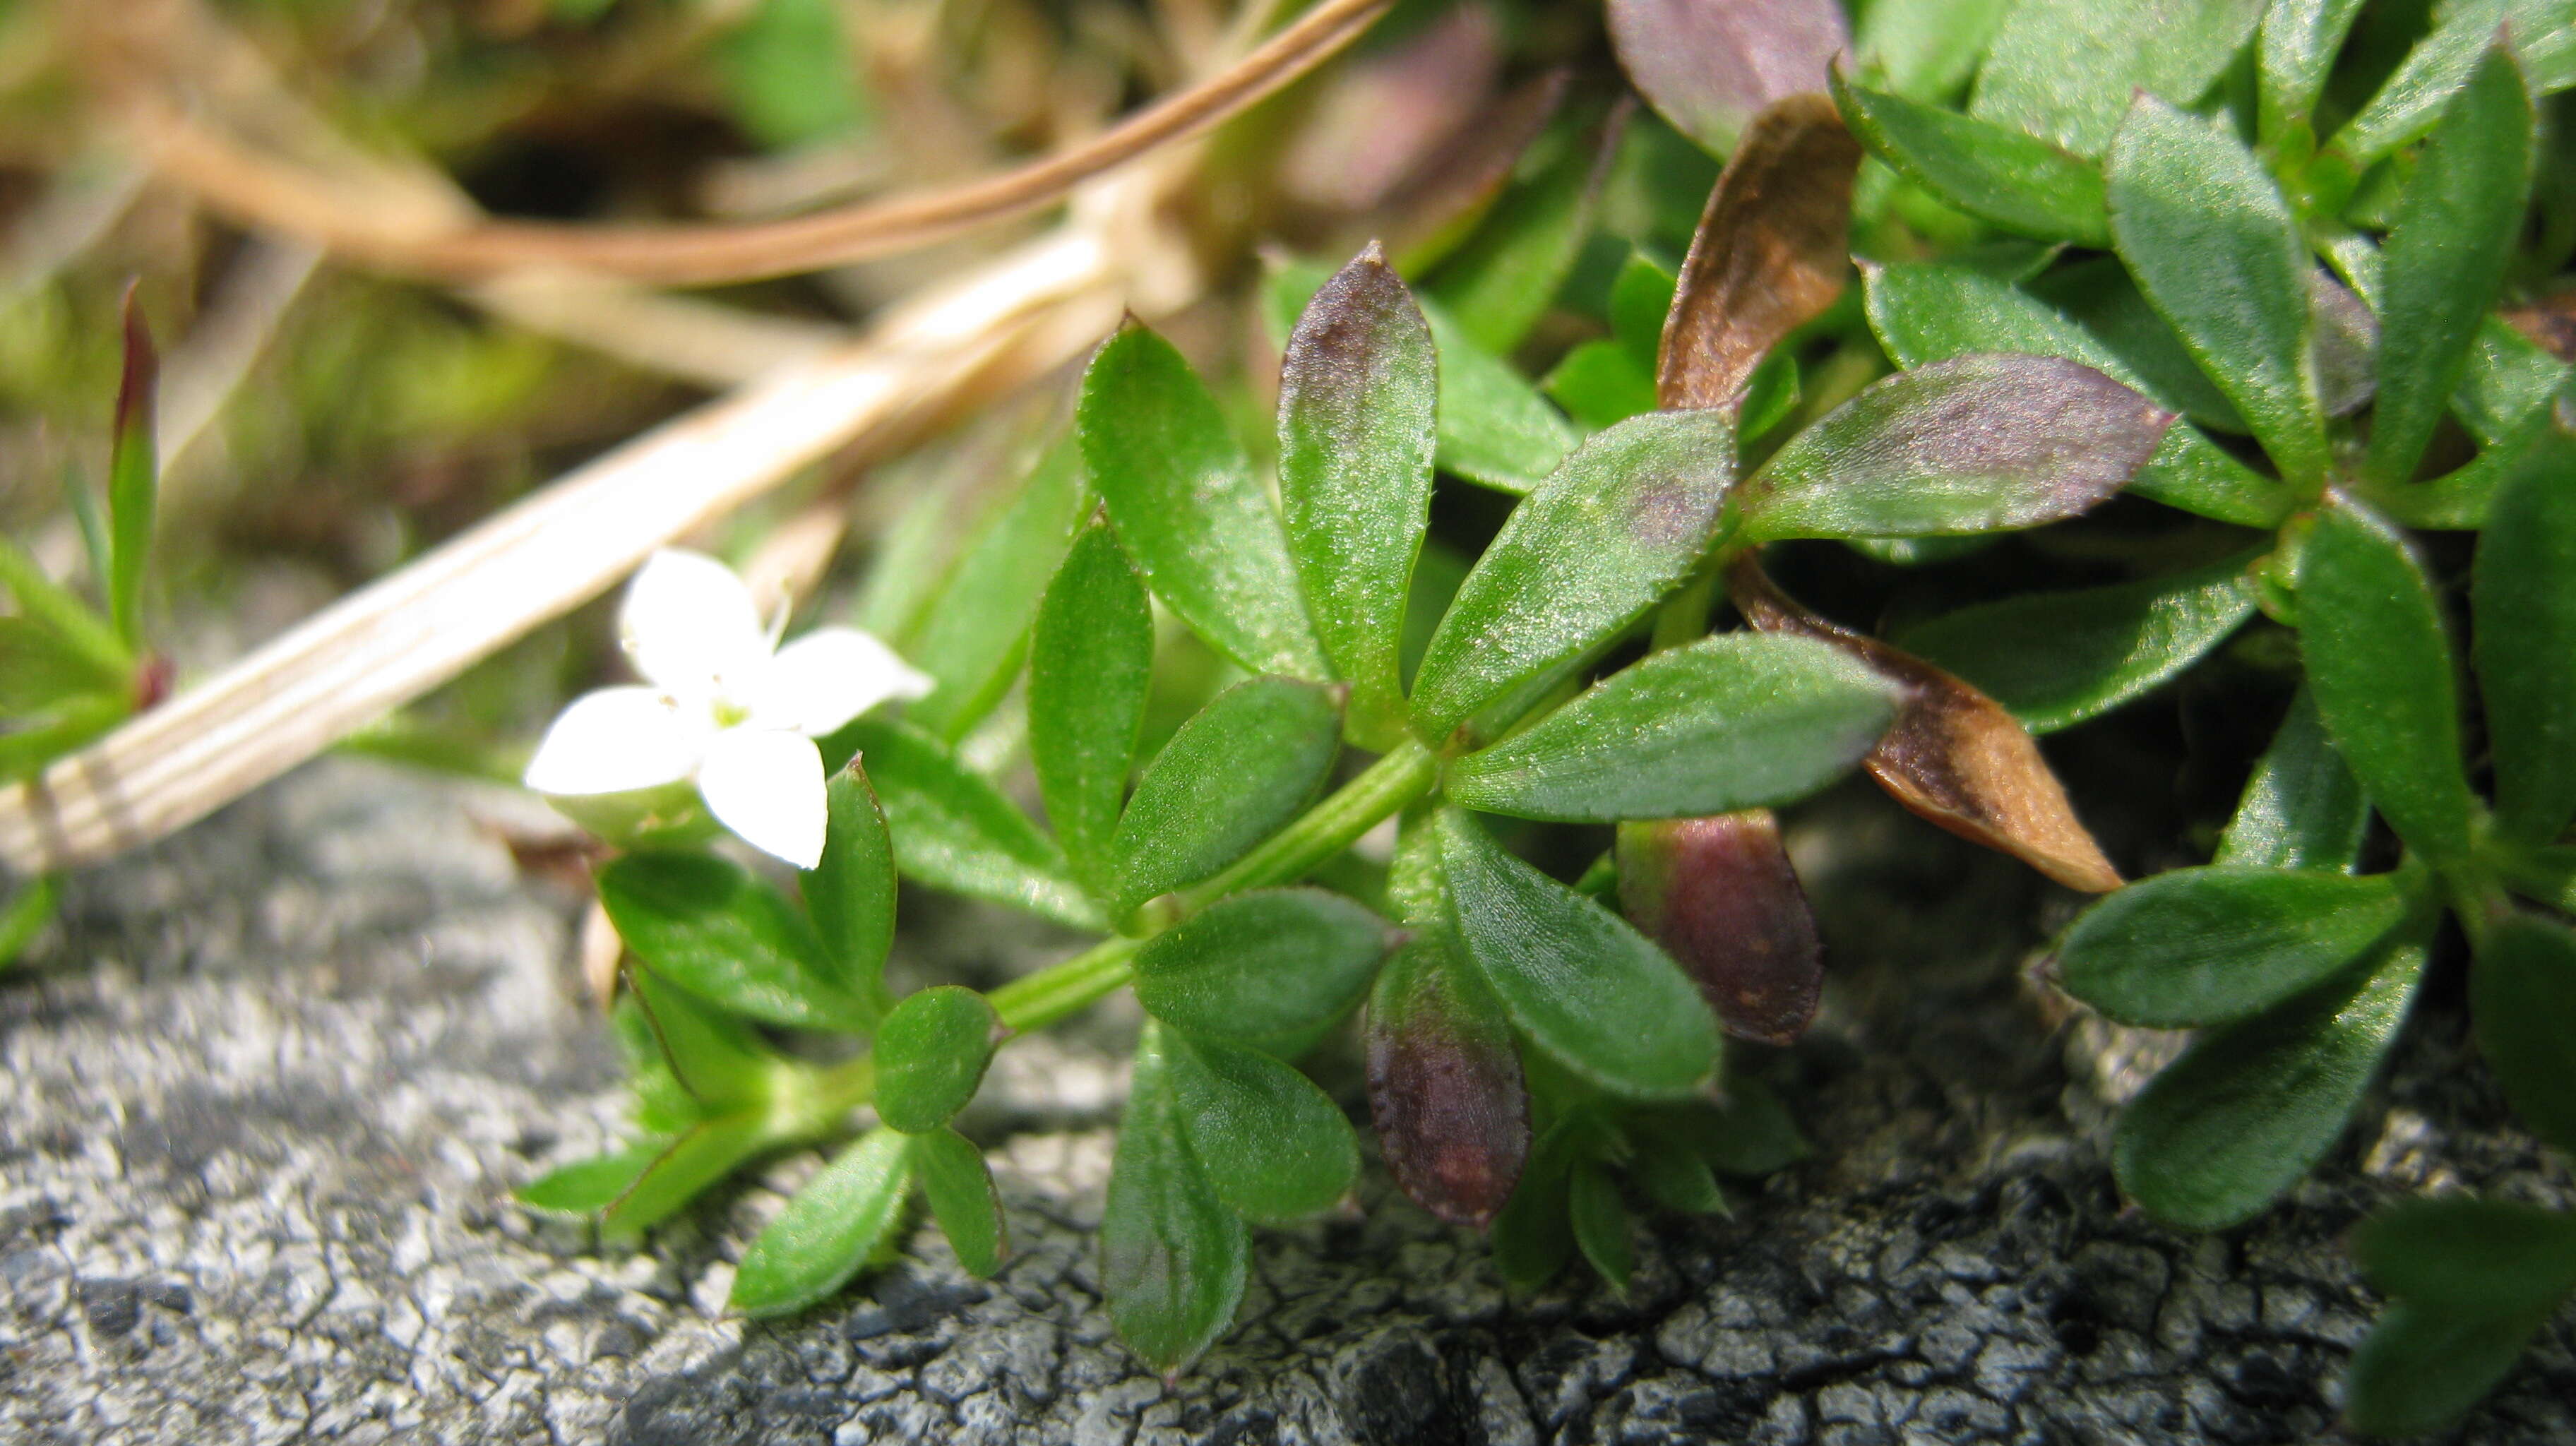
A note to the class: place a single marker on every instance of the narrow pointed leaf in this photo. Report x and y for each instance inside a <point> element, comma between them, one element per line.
<point>1925,312</point>
<point>710,927</point>
<point>2469,1255</point>
<point>931,1055</point>
<point>1262,965</point>
<point>1445,1087</point>
<point>1721,724</point>
<point>1532,1239</point>
<point>975,630</point>
<point>2294,53</point>
<point>2526,635</point>
<point>1980,443</point>
<point>1708,65</point>
<point>1719,896</point>
<point>1089,671</point>
<point>686,1167</point>
<point>1272,1145</point>
<point>850,891</point>
<point>2509,377</point>
<point>1749,1133</point>
<point>1925,50</point>
<point>1583,558</point>
<point>2302,809</point>
<point>959,1189</point>
<point>828,1230</point>
<point>2379,661</point>
<point>2210,945</point>
<point>2066,70</point>
<point>1508,273</point>
<point>2252,1106</point>
<point>1358,395</point>
<point>1233,775</point>
<point>1582,984</point>
<point>2057,659</point>
<point>1188,508</point>
<point>133,477</point>
<point>2522,992</point>
<point>1601,1224</point>
<point>2445,258</point>
<point>1996,173</point>
<point>2211,243</point>
<point>685,1058</point>
<point>587,1187</point>
<point>2422,1367</point>
<point>1954,756</point>
<point>2410,102</point>
<point>954,830</point>
<point>1677,1178</point>
<point>1771,251</point>
<point>1172,1256</point>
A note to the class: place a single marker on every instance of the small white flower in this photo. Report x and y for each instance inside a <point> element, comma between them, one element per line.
<point>725,705</point>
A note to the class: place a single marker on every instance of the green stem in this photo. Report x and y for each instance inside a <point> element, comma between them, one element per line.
<point>1404,774</point>
<point>1037,1000</point>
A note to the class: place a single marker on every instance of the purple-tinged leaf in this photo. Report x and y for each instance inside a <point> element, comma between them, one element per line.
<point>1979,443</point>
<point>1771,252</point>
<point>1954,757</point>
<point>133,476</point>
<point>1718,893</point>
<point>1708,65</point>
<point>1445,1087</point>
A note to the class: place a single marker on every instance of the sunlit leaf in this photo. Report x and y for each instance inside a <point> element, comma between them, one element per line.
<point>954,830</point>
<point>1925,49</point>
<point>2294,53</point>
<point>1261,965</point>
<point>1272,1144</point>
<point>1236,772</point>
<point>959,1189</point>
<point>1172,1256</point>
<point>828,1230</point>
<point>1088,680</point>
<point>587,1187</point>
<point>975,629</point>
<point>931,1053</point>
<point>2302,809</point>
<point>1996,173</point>
<point>710,927</point>
<point>850,890</point>
<point>704,1154</point>
<point>2066,70</point>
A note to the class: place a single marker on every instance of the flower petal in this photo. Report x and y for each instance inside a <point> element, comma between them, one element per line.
<point>767,786</point>
<point>690,625</point>
<point>826,678</point>
<point>616,739</point>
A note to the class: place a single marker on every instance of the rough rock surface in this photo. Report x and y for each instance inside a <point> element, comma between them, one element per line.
<point>264,1093</point>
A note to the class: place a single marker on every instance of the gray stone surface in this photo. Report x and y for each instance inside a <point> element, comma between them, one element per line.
<point>263,1095</point>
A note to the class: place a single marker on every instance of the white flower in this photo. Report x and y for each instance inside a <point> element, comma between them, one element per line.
<point>725,706</point>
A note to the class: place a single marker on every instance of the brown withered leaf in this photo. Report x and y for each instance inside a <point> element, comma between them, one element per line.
<point>1709,65</point>
<point>1771,252</point>
<point>1445,1086</point>
<point>1954,756</point>
<point>2550,322</point>
<point>1720,897</point>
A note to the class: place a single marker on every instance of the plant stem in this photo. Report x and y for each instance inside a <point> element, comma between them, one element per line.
<point>1405,773</point>
<point>1038,1000</point>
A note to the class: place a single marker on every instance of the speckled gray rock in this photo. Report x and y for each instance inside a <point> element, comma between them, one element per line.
<point>264,1093</point>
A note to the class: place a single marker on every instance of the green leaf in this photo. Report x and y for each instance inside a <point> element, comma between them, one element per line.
<point>1770,396</point>
<point>1996,173</point>
<point>49,606</point>
<point>1261,966</point>
<point>2477,1256</point>
<point>1618,526</point>
<point>2294,54</point>
<point>1641,296</point>
<point>1746,1133</point>
<point>828,1230</point>
<point>1578,981</point>
<point>2525,644</point>
<point>850,890</point>
<point>1532,1239</point>
<point>1675,1176</point>
<point>133,477</point>
<point>2302,809</point>
<point>1926,49</point>
<point>2421,1367</point>
<point>2209,945</point>
<point>1601,385</point>
<point>2251,1106</point>
<point>975,629</point>
<point>1501,282</point>
<point>2446,258</point>
<point>2065,70</point>
<point>40,668</point>
<point>931,1054</point>
<point>1357,397</point>
<point>1445,1085</point>
<point>2411,101</point>
<point>2522,993</point>
<point>953,830</point>
<point>2213,246</point>
<point>1234,774</point>
<point>1732,722</point>
<point>2509,378</point>
<point>710,927</point>
<point>2101,297</point>
<point>2379,661</point>
<point>587,1187</point>
<point>1172,1256</point>
<point>1088,680</point>
<point>1189,510</point>
<point>2056,659</point>
<point>959,1187</point>
<point>1272,1145</point>
<point>706,1153</point>
<point>1925,312</point>
<point>709,1060</point>
<point>1979,443</point>
<point>31,905</point>
<point>1601,1224</point>
<point>790,74</point>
